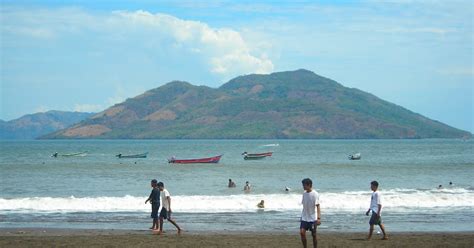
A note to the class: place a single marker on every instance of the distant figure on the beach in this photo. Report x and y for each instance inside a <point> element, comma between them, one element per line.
<point>261,204</point>
<point>375,208</point>
<point>311,214</point>
<point>154,199</point>
<point>166,209</point>
<point>247,187</point>
<point>231,183</point>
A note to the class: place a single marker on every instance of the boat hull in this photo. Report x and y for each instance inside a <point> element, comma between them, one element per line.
<point>255,156</point>
<point>211,160</point>
<point>143,155</point>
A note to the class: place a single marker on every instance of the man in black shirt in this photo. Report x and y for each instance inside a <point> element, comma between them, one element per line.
<point>154,199</point>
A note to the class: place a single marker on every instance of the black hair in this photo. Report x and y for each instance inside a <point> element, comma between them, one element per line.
<point>307,181</point>
<point>161,184</point>
<point>154,181</point>
<point>375,183</point>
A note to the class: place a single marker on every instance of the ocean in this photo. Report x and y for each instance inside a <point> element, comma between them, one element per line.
<point>100,191</point>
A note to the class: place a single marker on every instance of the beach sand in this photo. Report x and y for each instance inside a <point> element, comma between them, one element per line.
<point>132,238</point>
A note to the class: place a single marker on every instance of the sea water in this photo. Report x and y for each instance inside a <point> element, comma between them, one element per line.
<point>101,191</point>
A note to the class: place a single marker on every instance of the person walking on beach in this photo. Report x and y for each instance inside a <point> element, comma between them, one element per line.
<point>154,199</point>
<point>247,187</point>
<point>231,184</point>
<point>311,214</point>
<point>166,209</point>
<point>375,208</point>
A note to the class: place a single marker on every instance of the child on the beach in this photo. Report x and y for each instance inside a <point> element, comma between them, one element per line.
<point>166,209</point>
<point>154,199</point>
<point>375,208</point>
<point>310,218</point>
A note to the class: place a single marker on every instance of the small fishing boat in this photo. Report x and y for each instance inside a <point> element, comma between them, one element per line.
<point>195,160</point>
<point>77,154</point>
<point>141,155</point>
<point>355,156</point>
<point>253,156</point>
<point>271,145</point>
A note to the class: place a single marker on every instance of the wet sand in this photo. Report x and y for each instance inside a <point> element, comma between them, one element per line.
<point>132,238</point>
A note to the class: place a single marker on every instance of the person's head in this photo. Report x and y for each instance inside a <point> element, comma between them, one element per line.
<point>450,183</point>
<point>153,183</point>
<point>307,184</point>
<point>440,186</point>
<point>247,182</point>
<point>262,201</point>
<point>374,185</point>
<point>161,185</point>
<point>230,180</point>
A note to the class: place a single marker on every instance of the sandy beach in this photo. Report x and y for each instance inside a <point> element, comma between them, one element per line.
<point>133,238</point>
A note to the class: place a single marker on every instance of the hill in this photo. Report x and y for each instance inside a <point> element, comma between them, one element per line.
<point>32,126</point>
<point>293,104</point>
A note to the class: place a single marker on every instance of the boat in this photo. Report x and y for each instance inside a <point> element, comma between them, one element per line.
<point>214,159</point>
<point>253,156</point>
<point>355,156</point>
<point>141,155</point>
<point>77,154</point>
<point>272,145</point>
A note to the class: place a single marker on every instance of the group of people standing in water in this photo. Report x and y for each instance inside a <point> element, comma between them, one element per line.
<point>310,215</point>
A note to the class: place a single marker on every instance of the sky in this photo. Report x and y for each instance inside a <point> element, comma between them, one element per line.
<point>88,55</point>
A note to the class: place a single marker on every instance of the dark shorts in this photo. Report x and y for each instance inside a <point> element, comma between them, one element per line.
<point>308,226</point>
<point>154,210</point>
<point>374,219</point>
<point>164,213</point>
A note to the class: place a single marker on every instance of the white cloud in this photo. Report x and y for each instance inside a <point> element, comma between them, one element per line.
<point>41,109</point>
<point>222,51</point>
<point>88,107</point>
<point>226,51</point>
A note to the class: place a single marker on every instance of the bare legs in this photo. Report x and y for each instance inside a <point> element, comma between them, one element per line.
<point>371,230</point>
<point>303,238</point>
<point>171,221</point>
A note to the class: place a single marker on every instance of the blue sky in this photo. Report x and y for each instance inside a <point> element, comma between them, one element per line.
<point>89,55</point>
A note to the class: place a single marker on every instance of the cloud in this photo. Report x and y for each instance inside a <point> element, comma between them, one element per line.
<point>227,52</point>
<point>222,51</point>
<point>41,109</point>
<point>88,108</point>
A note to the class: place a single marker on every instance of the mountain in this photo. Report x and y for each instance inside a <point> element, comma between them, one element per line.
<point>293,104</point>
<point>34,125</point>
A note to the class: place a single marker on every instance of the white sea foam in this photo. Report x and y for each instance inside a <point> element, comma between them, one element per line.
<point>395,200</point>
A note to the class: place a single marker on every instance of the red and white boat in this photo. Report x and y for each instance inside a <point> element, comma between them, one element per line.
<point>195,160</point>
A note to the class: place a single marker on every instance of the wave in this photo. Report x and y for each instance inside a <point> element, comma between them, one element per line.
<point>394,200</point>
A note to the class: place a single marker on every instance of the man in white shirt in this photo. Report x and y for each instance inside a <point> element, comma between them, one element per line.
<point>310,218</point>
<point>375,208</point>
<point>166,208</point>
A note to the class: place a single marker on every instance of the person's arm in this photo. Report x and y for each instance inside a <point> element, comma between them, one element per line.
<point>380,208</point>
<point>318,209</point>
<point>169,203</point>
<point>149,197</point>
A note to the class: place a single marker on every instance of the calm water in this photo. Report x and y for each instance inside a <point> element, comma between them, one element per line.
<point>101,191</point>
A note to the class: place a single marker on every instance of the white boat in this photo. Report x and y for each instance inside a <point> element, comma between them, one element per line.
<point>355,156</point>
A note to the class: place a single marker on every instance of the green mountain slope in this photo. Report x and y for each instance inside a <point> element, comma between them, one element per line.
<point>34,125</point>
<point>294,104</point>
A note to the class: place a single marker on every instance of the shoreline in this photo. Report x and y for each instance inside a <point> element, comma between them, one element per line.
<point>47,237</point>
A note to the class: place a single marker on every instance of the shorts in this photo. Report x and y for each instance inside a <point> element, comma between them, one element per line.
<point>165,214</point>
<point>374,219</point>
<point>308,225</point>
<point>154,210</point>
